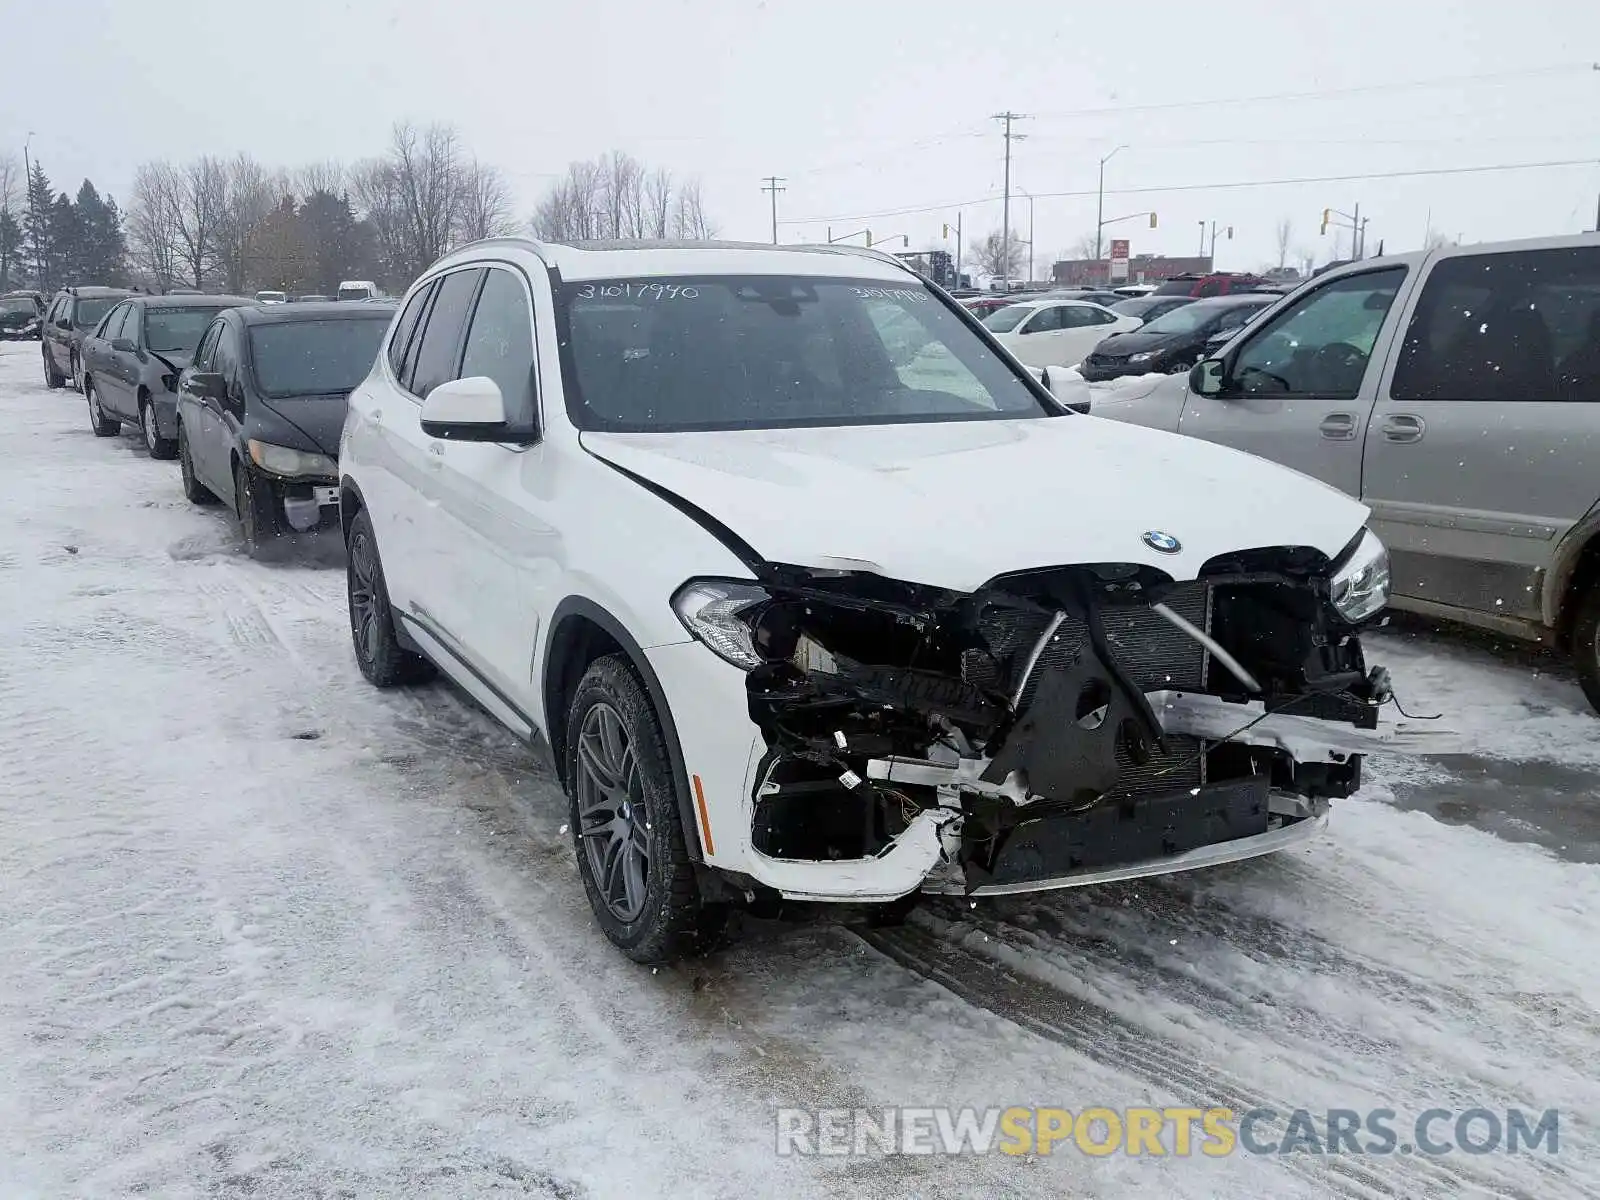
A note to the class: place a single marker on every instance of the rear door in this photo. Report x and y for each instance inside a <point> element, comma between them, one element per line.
<point>120,369</point>
<point>1299,390</point>
<point>1484,449</point>
<point>97,358</point>
<point>57,331</point>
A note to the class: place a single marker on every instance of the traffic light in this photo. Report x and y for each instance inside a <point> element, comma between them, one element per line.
<point>1152,220</point>
<point>1230,233</point>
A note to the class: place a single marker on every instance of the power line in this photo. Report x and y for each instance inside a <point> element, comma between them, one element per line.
<point>1326,93</point>
<point>771,184</point>
<point>1207,187</point>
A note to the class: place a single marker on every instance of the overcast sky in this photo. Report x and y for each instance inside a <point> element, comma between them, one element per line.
<point>869,106</point>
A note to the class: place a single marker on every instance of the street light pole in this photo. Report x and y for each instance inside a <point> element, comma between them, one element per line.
<point>1100,201</point>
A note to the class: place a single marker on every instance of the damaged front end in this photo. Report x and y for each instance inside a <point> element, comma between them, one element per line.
<point>1057,726</point>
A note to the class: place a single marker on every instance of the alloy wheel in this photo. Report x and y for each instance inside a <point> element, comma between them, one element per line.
<point>613,822</point>
<point>363,596</point>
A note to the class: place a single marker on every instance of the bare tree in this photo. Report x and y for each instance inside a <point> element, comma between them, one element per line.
<point>154,223</point>
<point>1284,233</point>
<point>1436,240</point>
<point>201,195</point>
<point>689,220</point>
<point>570,211</point>
<point>10,182</point>
<point>1084,248</point>
<point>658,203</point>
<point>249,196</point>
<point>994,256</point>
<point>426,175</point>
<point>329,175</point>
<point>377,199</point>
<point>483,205</point>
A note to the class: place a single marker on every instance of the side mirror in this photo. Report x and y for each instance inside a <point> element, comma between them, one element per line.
<point>208,385</point>
<point>123,345</point>
<point>1206,378</point>
<point>467,410</point>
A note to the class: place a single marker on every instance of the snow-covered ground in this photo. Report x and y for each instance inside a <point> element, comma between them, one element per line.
<point>267,932</point>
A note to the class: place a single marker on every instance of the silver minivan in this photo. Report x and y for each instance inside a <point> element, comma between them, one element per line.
<point>1457,393</point>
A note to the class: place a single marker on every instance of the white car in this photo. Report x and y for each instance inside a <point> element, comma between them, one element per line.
<point>1055,331</point>
<point>271,297</point>
<point>803,607</point>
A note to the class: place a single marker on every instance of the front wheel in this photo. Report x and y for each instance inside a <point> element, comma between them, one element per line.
<point>256,509</point>
<point>625,821</point>
<point>1586,644</point>
<point>193,490</point>
<point>159,447</point>
<point>102,425</point>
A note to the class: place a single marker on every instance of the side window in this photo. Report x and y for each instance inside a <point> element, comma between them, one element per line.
<point>225,354</point>
<point>1043,321</point>
<point>1505,327</point>
<point>1320,345</point>
<point>441,339</point>
<point>1097,316</point>
<point>208,344</point>
<point>500,342</point>
<point>400,339</point>
<point>110,328</point>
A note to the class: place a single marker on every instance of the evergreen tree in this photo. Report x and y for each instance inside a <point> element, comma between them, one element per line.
<point>10,250</point>
<point>66,243</point>
<point>103,247</point>
<point>340,246</point>
<point>36,229</point>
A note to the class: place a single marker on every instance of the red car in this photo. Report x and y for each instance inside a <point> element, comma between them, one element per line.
<point>982,306</point>
<point>1218,283</point>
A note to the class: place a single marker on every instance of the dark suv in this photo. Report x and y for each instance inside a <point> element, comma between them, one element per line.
<point>73,314</point>
<point>19,315</point>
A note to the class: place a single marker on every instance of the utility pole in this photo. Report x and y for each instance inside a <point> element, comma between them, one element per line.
<point>1100,202</point>
<point>771,183</point>
<point>1029,195</point>
<point>1005,220</point>
<point>1202,251</point>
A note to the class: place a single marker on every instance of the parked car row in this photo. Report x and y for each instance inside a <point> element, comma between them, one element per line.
<point>1457,394</point>
<point>733,534</point>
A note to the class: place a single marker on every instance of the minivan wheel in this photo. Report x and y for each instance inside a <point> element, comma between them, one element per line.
<point>383,661</point>
<point>193,490</point>
<point>102,425</point>
<point>1586,644</point>
<point>53,379</point>
<point>626,831</point>
<point>159,447</point>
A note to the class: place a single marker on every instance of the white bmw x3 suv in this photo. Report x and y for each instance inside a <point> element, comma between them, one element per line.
<point>811,590</point>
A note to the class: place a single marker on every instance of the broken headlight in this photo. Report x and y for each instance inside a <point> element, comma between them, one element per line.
<point>712,610</point>
<point>1359,587</point>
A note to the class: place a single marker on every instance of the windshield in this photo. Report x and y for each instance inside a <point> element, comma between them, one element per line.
<point>1188,319</point>
<point>17,304</point>
<point>88,313</point>
<point>353,293</point>
<point>1137,307</point>
<point>175,330</point>
<point>769,351</point>
<point>271,296</point>
<point>1004,320</point>
<point>305,358</point>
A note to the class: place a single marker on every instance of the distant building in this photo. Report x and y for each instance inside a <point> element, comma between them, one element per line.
<point>1142,268</point>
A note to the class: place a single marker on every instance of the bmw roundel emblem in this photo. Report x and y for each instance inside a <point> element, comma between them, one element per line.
<point>1164,542</point>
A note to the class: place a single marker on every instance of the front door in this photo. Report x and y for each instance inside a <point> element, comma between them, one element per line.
<point>1484,449</point>
<point>1298,389</point>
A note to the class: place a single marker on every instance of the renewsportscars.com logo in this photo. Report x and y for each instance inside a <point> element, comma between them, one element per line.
<point>1160,1132</point>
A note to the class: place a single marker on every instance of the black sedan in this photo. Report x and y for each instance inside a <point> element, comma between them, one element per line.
<point>132,360</point>
<point>1175,342</point>
<point>261,409</point>
<point>21,315</point>
<point>1148,308</point>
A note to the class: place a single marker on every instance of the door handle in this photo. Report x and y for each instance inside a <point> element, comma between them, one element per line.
<point>1339,427</point>
<point>1403,427</point>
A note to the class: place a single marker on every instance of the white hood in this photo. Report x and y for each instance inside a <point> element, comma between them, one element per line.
<point>953,504</point>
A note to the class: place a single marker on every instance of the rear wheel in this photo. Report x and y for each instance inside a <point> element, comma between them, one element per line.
<point>629,839</point>
<point>159,447</point>
<point>77,371</point>
<point>102,425</point>
<point>1586,643</point>
<point>53,379</point>
<point>195,491</point>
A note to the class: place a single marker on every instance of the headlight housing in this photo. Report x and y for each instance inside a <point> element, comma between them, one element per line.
<point>290,463</point>
<point>1359,586</point>
<point>711,609</point>
<point>1145,357</point>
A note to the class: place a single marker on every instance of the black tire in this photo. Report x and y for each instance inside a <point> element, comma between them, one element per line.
<point>76,368</point>
<point>383,661</point>
<point>102,425</point>
<point>53,379</point>
<point>158,446</point>
<point>893,913</point>
<point>1586,643</point>
<point>635,867</point>
<point>256,509</point>
<point>194,491</point>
